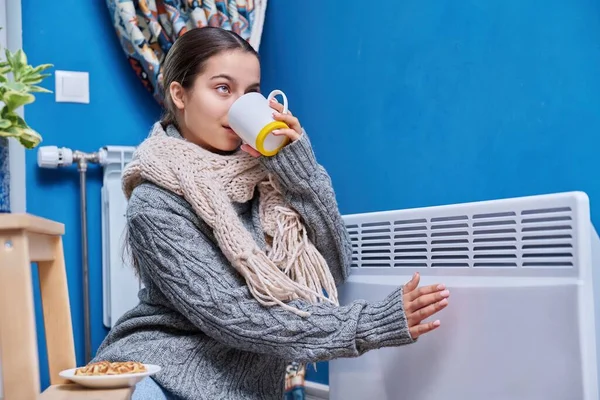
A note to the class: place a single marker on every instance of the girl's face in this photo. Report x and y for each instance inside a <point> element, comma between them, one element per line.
<point>203,108</point>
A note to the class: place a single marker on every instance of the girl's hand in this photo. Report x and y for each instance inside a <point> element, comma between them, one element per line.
<point>293,132</point>
<point>421,303</point>
<point>295,129</point>
<point>250,150</point>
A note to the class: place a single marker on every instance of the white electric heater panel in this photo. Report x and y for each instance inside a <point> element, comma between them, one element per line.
<point>521,322</point>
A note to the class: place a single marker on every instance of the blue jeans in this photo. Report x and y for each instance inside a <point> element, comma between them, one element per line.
<point>148,389</point>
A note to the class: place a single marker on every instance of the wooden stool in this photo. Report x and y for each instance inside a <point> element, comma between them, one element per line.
<point>26,239</point>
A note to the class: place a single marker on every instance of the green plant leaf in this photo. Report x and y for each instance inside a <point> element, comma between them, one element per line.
<point>9,57</point>
<point>10,132</point>
<point>12,60</point>
<point>16,86</point>
<point>4,133</point>
<point>16,90</point>
<point>30,138</point>
<point>41,68</point>
<point>39,89</point>
<point>34,79</point>
<point>20,62</point>
<point>21,58</point>
<point>15,119</point>
<point>26,136</point>
<point>14,100</point>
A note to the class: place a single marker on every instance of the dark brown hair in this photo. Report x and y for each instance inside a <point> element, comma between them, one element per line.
<point>188,56</point>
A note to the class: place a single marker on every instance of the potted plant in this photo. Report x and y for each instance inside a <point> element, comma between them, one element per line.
<point>18,82</point>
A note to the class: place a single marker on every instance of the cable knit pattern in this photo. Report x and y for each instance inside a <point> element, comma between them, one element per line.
<point>290,268</point>
<point>198,319</point>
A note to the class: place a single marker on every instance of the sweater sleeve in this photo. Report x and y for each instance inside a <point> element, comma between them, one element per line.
<point>307,187</point>
<point>188,269</point>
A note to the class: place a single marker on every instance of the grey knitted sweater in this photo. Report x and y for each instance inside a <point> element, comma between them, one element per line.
<point>197,319</point>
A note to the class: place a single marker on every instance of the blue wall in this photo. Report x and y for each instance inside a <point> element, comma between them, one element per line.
<point>409,104</point>
<point>78,36</point>
<point>418,103</point>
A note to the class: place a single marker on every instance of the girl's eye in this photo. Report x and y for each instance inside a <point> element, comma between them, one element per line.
<point>223,89</point>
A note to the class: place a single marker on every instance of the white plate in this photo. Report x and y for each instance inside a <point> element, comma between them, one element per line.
<point>109,381</point>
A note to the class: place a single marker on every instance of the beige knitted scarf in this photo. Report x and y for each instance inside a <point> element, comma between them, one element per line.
<point>290,267</point>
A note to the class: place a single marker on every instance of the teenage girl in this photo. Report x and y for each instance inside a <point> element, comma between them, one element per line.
<point>239,254</point>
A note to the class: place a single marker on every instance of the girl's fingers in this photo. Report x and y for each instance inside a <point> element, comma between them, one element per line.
<point>412,284</point>
<point>276,105</point>
<point>421,329</point>
<point>426,300</point>
<point>248,149</point>
<point>426,290</point>
<point>426,312</point>
<point>290,133</point>
<point>289,119</point>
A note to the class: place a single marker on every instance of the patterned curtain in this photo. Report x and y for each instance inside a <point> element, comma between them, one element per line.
<point>148,28</point>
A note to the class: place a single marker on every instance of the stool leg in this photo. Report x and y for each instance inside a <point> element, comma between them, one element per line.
<point>18,340</point>
<point>57,313</point>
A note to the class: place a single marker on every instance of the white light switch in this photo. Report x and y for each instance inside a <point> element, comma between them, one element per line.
<point>72,87</point>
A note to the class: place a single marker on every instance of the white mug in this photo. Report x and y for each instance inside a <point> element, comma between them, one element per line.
<point>251,118</point>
